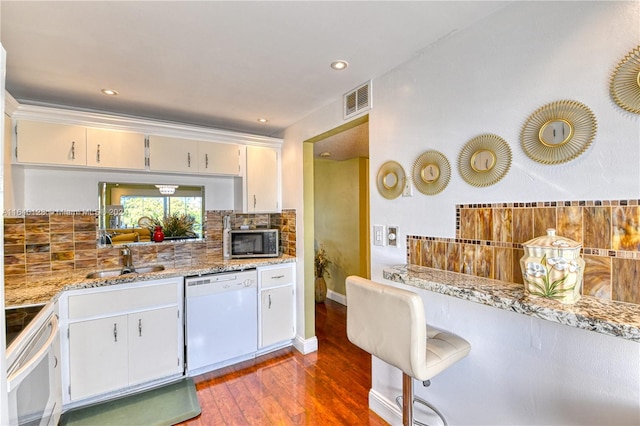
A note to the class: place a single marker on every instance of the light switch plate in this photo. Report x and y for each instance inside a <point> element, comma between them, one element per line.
<point>392,236</point>
<point>378,235</point>
<point>407,191</point>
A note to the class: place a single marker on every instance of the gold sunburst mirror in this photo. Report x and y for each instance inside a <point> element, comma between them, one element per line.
<point>558,132</point>
<point>625,82</point>
<point>484,160</point>
<point>391,180</point>
<point>431,172</point>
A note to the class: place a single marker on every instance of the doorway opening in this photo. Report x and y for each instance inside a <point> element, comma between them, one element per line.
<point>336,203</point>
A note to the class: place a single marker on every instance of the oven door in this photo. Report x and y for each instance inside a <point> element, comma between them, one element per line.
<point>33,378</point>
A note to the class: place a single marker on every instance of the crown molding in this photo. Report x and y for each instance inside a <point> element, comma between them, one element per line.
<point>10,104</point>
<point>56,114</point>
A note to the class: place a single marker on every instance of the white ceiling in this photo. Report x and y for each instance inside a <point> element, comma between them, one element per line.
<point>215,63</point>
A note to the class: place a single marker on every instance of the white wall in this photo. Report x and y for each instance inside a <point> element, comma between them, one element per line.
<point>488,79</point>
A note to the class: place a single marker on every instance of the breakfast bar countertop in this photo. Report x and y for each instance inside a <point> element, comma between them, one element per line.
<point>608,317</point>
<point>41,288</point>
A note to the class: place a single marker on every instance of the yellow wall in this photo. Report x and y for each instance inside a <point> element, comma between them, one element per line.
<point>339,209</point>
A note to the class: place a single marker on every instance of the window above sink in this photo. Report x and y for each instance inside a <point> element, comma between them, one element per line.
<point>129,212</point>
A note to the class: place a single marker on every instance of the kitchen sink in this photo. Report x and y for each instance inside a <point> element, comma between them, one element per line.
<point>118,272</point>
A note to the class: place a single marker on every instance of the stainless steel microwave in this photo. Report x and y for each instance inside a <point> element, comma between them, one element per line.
<point>254,243</point>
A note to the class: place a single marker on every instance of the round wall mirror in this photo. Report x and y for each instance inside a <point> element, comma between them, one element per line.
<point>483,160</point>
<point>558,132</point>
<point>625,82</point>
<point>430,173</point>
<point>390,180</point>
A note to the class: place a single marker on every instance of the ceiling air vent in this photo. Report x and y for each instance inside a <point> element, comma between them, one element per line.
<point>357,100</point>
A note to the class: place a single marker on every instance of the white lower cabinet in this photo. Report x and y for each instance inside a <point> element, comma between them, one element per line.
<point>98,356</point>
<point>277,315</point>
<point>152,350</point>
<point>277,304</point>
<point>121,336</point>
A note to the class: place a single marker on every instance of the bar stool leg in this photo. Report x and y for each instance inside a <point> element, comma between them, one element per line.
<point>407,400</point>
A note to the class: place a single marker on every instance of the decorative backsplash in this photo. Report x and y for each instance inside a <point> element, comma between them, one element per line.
<point>489,241</point>
<point>65,241</point>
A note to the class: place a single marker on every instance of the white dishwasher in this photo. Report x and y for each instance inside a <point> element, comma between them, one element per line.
<point>221,314</point>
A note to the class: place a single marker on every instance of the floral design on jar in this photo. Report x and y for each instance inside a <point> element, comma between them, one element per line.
<point>552,268</point>
<point>548,278</point>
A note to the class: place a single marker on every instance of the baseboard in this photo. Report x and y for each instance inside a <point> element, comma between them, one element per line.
<point>385,408</point>
<point>337,297</point>
<point>306,346</point>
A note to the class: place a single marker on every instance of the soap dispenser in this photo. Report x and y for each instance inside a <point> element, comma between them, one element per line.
<point>226,237</point>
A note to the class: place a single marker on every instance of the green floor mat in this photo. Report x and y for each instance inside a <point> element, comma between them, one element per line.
<point>165,405</point>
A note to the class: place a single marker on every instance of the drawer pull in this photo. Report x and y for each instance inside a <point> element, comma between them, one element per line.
<point>277,277</point>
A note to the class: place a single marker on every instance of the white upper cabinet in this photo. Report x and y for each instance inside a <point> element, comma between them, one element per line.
<point>187,155</point>
<point>173,154</point>
<point>219,158</point>
<point>50,143</point>
<point>115,149</point>
<point>262,180</point>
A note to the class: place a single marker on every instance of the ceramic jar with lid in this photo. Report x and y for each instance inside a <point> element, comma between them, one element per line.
<point>552,267</point>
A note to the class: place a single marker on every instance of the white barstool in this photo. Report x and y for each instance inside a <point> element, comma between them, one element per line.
<point>389,323</point>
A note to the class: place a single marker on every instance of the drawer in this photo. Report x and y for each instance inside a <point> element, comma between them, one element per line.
<point>272,277</point>
<point>113,301</point>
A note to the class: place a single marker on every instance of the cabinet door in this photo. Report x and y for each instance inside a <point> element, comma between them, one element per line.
<point>153,344</point>
<point>173,154</point>
<point>114,149</point>
<point>49,143</point>
<point>276,315</point>
<point>262,179</point>
<point>218,158</point>
<point>98,356</point>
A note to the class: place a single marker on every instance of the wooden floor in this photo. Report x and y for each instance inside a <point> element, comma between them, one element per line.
<point>327,387</point>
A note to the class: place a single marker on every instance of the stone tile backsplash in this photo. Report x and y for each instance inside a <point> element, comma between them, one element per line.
<point>65,241</point>
<point>489,241</point>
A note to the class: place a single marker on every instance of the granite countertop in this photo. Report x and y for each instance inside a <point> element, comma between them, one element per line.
<point>589,313</point>
<point>41,288</point>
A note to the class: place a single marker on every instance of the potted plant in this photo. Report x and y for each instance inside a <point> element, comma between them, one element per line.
<point>321,264</point>
<point>175,226</point>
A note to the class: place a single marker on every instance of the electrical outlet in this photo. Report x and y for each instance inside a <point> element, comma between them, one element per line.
<point>392,236</point>
<point>378,235</point>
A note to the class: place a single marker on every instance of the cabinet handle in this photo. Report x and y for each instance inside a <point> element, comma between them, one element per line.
<point>98,154</point>
<point>73,150</point>
<point>115,332</point>
<point>188,159</point>
<point>206,161</point>
<point>254,201</point>
<point>140,327</point>
<point>269,301</point>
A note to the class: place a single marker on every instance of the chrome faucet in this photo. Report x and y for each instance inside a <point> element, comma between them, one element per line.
<point>127,260</point>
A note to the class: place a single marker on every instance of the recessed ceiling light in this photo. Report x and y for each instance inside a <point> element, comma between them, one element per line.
<point>325,154</point>
<point>339,65</point>
<point>263,120</point>
<point>109,92</point>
